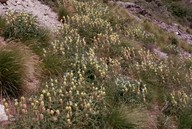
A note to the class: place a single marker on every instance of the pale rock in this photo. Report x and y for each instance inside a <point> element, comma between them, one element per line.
<point>3,116</point>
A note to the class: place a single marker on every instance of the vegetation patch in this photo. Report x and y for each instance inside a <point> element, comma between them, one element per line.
<point>23,26</point>
<point>98,72</point>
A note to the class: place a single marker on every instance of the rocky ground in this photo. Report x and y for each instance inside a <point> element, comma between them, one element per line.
<point>136,11</point>
<point>174,28</point>
<point>44,13</point>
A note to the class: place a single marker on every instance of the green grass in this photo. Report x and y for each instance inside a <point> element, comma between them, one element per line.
<point>185,119</point>
<point>12,72</point>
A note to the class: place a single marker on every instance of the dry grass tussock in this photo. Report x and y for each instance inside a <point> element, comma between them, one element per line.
<point>24,64</point>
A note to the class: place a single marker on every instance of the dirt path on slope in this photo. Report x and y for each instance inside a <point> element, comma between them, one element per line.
<point>45,16</point>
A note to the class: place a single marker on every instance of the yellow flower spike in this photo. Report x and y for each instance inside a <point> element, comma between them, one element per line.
<point>6,104</point>
<point>36,101</point>
<point>54,93</point>
<point>60,91</point>
<point>7,111</point>
<point>68,108</point>
<point>22,98</point>
<point>74,87</point>
<point>41,96</point>
<point>64,83</point>
<point>71,74</point>
<point>16,104</point>
<point>4,100</point>
<point>46,85</point>
<point>54,118</point>
<point>69,121</point>
<point>52,112</point>
<point>88,105</point>
<point>42,103</point>
<point>57,112</point>
<point>50,99</point>
<point>48,94</point>
<point>70,92</point>
<point>32,104</point>
<point>75,104</point>
<point>77,92</point>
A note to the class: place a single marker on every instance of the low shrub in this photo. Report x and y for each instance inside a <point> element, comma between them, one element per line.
<point>171,49</point>
<point>138,33</point>
<point>23,26</point>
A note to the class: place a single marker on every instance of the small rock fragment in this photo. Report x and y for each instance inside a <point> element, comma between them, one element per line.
<point>3,116</point>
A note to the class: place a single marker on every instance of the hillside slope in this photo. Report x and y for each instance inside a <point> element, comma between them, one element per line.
<point>104,65</point>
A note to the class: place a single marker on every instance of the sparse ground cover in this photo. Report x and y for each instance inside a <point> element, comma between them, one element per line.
<point>97,71</point>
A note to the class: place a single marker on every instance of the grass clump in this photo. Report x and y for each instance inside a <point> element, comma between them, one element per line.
<point>19,71</point>
<point>125,117</point>
<point>12,72</point>
<point>185,119</point>
<point>139,34</point>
